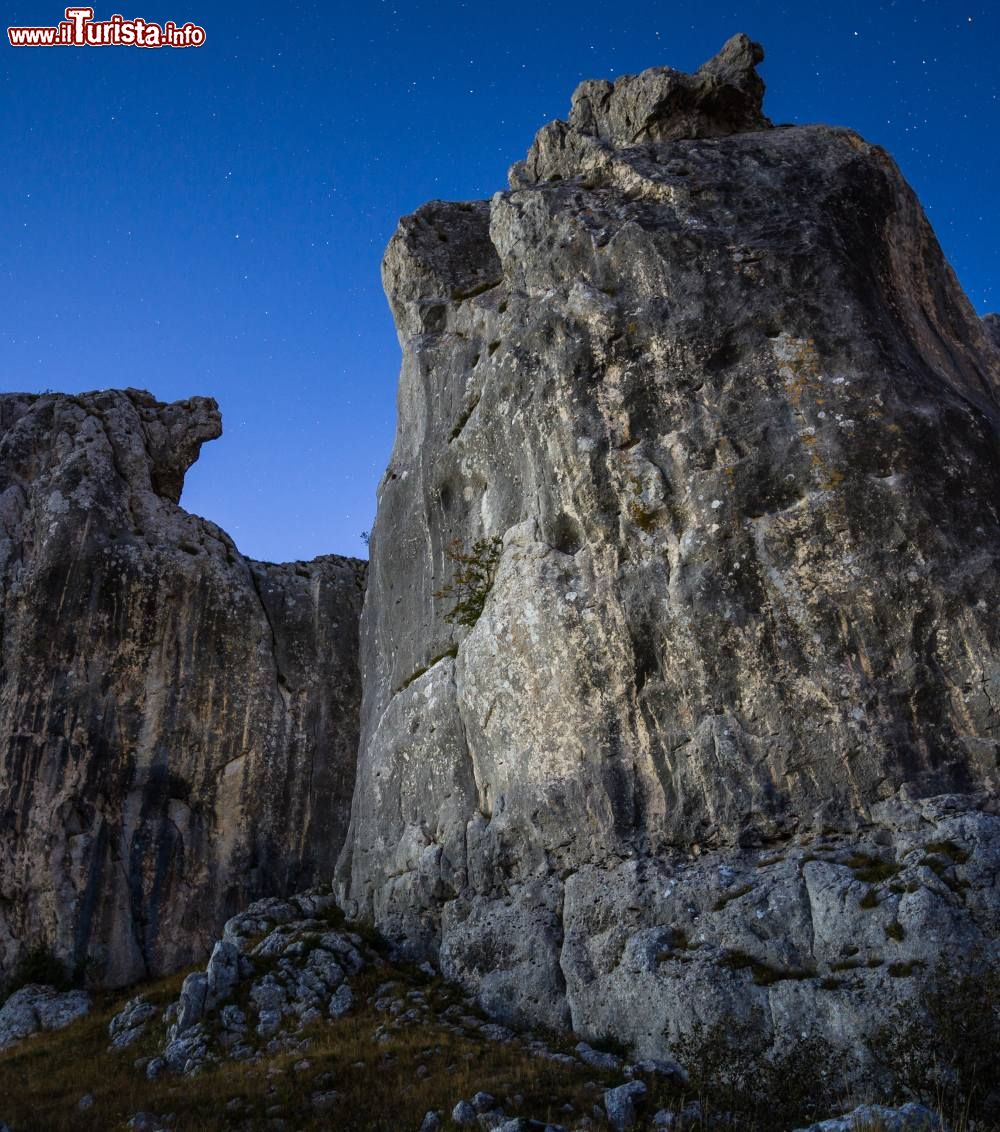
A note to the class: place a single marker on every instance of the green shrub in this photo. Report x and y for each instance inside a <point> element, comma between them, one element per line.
<point>473,579</point>
<point>732,1072</point>
<point>732,894</point>
<point>948,849</point>
<point>870,869</point>
<point>764,975</point>
<point>945,1050</point>
<point>37,965</point>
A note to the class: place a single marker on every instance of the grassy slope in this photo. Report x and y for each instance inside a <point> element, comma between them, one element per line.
<point>386,1076</point>
<point>42,1079</point>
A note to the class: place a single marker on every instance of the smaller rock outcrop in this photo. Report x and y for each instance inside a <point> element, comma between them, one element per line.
<point>909,1118</point>
<point>178,723</point>
<point>129,1024</point>
<point>280,965</point>
<point>34,1008</point>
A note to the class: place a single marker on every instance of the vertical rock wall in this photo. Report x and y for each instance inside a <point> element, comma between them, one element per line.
<point>715,388</point>
<point>178,724</point>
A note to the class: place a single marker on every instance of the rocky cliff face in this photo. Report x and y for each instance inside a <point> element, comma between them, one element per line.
<point>715,388</point>
<point>178,724</point>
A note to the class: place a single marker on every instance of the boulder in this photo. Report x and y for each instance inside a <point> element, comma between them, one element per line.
<point>34,1008</point>
<point>622,1105</point>
<point>463,1113</point>
<point>909,1118</point>
<point>129,1024</point>
<point>223,971</point>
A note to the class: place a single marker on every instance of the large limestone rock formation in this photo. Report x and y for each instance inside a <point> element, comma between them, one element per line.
<point>178,724</point>
<point>715,388</point>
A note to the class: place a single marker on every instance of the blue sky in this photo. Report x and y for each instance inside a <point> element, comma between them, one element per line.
<point>211,221</point>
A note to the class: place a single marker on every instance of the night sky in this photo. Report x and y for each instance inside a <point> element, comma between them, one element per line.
<point>211,221</point>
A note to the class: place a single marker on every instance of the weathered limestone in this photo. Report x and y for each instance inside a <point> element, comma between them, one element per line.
<point>719,393</point>
<point>178,724</point>
<point>33,1009</point>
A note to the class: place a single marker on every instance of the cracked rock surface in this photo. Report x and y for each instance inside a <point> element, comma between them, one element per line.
<point>716,389</point>
<point>178,723</point>
<point>278,967</point>
<point>35,1008</point>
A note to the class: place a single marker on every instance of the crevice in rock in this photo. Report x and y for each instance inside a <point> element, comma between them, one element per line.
<point>463,420</point>
<point>460,295</point>
<point>481,803</point>
<point>280,681</point>
<point>451,651</point>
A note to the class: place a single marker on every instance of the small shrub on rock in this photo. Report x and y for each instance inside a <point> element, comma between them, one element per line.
<point>945,1051</point>
<point>39,965</point>
<point>473,579</point>
<point>733,1073</point>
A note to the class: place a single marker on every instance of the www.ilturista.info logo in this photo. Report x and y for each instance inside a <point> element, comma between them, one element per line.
<point>79,29</point>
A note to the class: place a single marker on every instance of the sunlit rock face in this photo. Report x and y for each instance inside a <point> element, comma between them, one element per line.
<point>178,724</point>
<point>716,389</point>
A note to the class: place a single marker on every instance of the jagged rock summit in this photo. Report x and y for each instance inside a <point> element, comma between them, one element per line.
<point>704,407</point>
<point>178,724</point>
<point>724,97</point>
